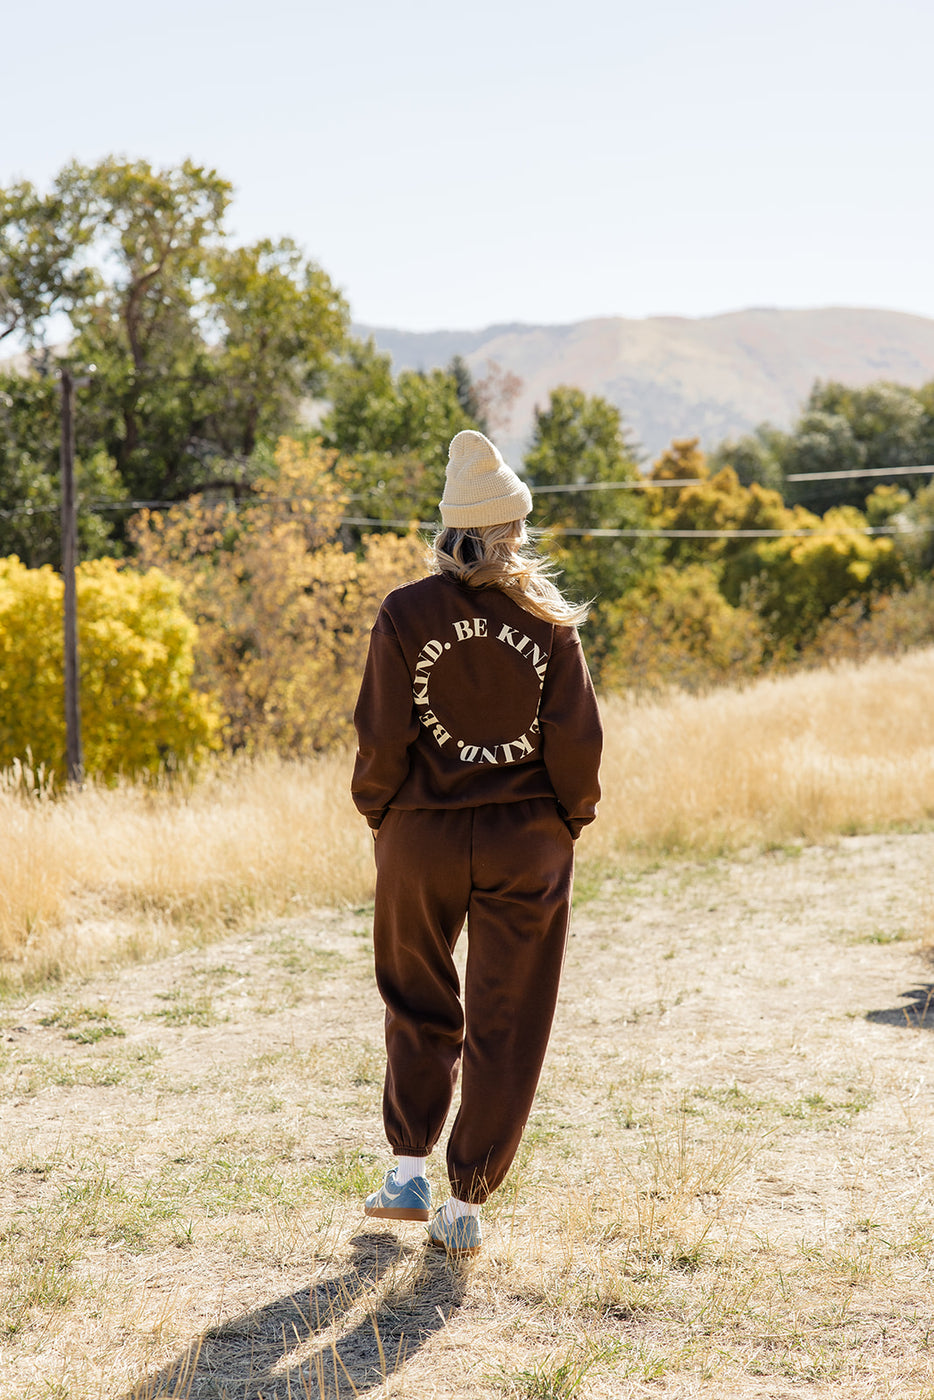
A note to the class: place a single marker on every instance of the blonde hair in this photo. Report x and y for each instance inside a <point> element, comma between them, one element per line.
<point>493,556</point>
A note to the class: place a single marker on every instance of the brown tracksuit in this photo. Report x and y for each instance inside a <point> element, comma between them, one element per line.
<point>478,748</point>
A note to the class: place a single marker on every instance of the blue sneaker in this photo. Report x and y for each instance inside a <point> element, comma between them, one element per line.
<point>410,1201</point>
<point>464,1236</point>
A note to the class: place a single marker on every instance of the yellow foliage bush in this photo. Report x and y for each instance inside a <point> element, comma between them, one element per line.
<point>792,581</point>
<point>136,653</point>
<point>283,609</point>
<point>676,629</point>
<point>720,502</point>
<point>796,582</point>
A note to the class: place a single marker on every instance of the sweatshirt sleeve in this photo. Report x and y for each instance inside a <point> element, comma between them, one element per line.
<point>386,724</point>
<point>572,734</point>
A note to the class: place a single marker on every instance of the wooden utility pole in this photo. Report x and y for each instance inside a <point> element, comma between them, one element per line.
<point>73,749</point>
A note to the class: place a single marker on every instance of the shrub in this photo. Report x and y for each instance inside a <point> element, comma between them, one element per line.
<point>283,609</point>
<point>798,581</point>
<point>888,625</point>
<point>676,628</point>
<point>138,709</point>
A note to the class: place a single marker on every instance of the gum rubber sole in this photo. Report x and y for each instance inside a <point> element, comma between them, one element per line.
<point>456,1253</point>
<point>397,1213</point>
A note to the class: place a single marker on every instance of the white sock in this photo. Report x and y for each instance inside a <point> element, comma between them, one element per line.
<point>409,1167</point>
<point>453,1209</point>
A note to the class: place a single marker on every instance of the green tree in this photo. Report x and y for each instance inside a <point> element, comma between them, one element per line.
<point>756,457</point>
<point>415,412</point>
<point>916,545</point>
<point>155,231</point>
<point>581,439</point>
<point>393,488</point>
<point>887,422</point>
<point>30,496</point>
<point>201,349</point>
<point>278,320</point>
<point>887,504</point>
<point>41,237</point>
<point>467,395</point>
<point>824,441</point>
<point>840,429</point>
<point>392,433</point>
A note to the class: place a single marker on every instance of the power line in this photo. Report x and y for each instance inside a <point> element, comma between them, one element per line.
<point>102,507</point>
<point>671,483</point>
<point>240,503</point>
<point>107,507</point>
<point>600,532</point>
<point>590,532</point>
<point>648,485</point>
<point>860,471</point>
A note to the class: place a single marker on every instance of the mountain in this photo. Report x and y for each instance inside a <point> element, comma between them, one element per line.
<point>711,377</point>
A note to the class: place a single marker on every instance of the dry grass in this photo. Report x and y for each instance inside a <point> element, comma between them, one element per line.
<point>798,757</point>
<point>109,874</point>
<point>736,1117</point>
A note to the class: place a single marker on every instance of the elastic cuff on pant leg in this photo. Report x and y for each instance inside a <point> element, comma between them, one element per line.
<point>475,1198</point>
<point>411,1151</point>
<point>475,1192</point>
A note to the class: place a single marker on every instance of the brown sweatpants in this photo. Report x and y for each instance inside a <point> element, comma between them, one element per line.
<point>507,868</point>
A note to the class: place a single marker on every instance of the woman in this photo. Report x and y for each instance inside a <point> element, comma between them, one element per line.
<point>479,743</point>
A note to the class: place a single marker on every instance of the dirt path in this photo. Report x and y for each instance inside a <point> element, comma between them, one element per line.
<point>726,1187</point>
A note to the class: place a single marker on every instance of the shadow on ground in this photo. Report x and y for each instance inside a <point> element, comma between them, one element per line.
<point>916,1014</point>
<point>294,1346</point>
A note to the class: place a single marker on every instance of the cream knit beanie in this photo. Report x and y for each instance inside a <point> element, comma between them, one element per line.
<point>479,488</point>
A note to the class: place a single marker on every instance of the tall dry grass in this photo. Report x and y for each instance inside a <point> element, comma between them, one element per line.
<point>796,757</point>
<point>113,872</point>
<point>106,872</point>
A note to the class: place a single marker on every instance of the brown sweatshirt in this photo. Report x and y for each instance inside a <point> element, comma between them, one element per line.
<point>468,699</point>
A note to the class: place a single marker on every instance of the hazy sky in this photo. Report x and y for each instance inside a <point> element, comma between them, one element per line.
<point>453,166</point>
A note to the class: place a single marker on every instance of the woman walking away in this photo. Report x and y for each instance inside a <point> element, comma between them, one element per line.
<point>479,744</point>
